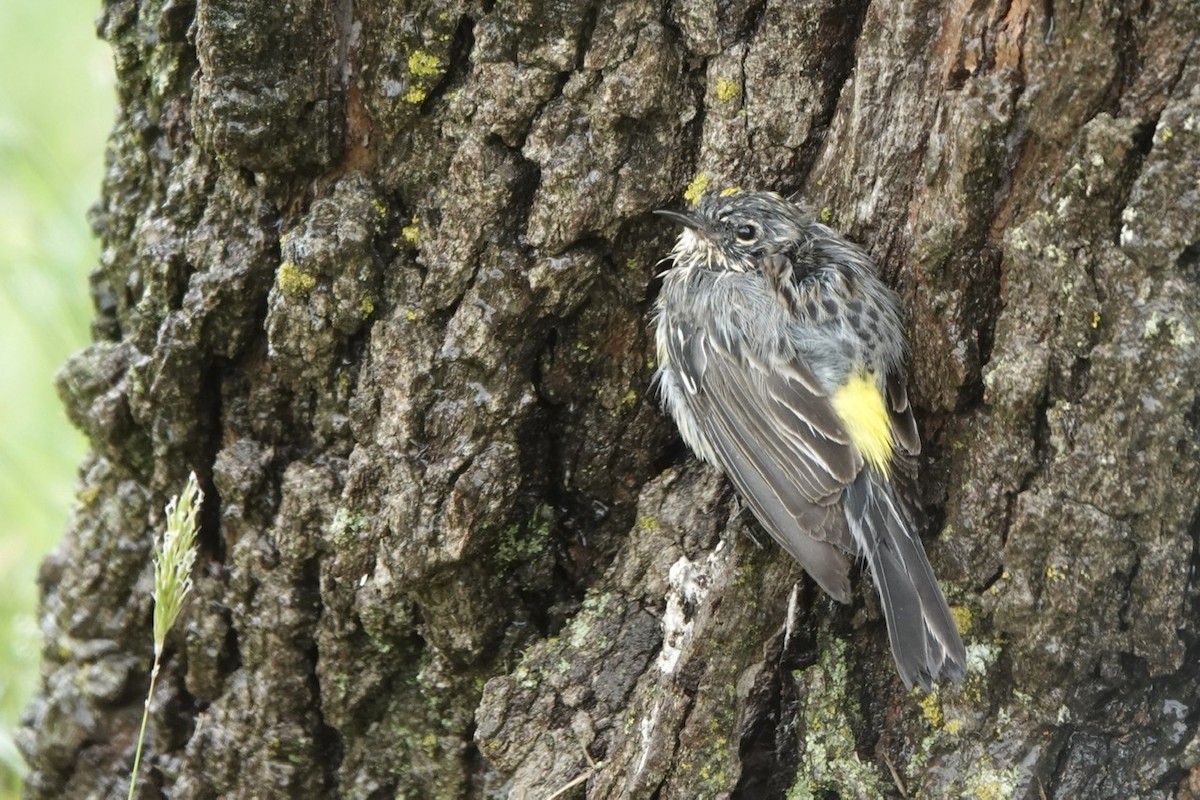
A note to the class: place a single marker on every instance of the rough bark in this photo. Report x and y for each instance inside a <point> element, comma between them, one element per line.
<point>380,275</point>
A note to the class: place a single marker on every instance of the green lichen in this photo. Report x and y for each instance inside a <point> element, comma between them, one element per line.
<point>727,90</point>
<point>989,782</point>
<point>346,528</point>
<point>714,771</point>
<point>598,605</point>
<point>524,542</point>
<point>941,723</point>
<point>829,761</point>
<point>366,307</point>
<point>293,280</point>
<point>1176,330</point>
<point>629,399</point>
<point>585,635</point>
<point>424,724</point>
<point>974,690</point>
<point>715,752</point>
<point>826,215</point>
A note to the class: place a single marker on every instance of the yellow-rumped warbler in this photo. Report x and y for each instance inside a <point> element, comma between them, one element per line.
<point>780,357</point>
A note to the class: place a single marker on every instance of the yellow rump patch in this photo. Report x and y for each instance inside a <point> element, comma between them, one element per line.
<point>860,406</point>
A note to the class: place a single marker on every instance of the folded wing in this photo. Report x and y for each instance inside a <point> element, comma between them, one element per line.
<point>778,439</point>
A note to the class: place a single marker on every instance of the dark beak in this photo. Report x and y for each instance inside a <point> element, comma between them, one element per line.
<point>681,218</point>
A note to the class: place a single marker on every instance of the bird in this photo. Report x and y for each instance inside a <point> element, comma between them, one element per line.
<point>781,360</point>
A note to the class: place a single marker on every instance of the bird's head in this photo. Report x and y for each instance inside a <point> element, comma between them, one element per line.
<point>733,232</point>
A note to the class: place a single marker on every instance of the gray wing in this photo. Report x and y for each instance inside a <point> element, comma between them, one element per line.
<point>904,426</point>
<point>778,439</point>
<point>775,434</point>
<point>908,442</point>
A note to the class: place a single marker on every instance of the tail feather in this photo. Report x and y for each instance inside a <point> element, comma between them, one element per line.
<point>922,632</point>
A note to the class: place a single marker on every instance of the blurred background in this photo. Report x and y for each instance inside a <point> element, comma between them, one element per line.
<point>56,106</point>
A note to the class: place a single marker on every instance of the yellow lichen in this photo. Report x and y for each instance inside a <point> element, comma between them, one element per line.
<point>415,95</point>
<point>411,232</point>
<point>648,523</point>
<point>293,280</point>
<point>424,65</point>
<point>697,188</point>
<point>963,618</point>
<point>727,90</point>
<point>732,190</point>
<point>931,708</point>
<point>989,782</point>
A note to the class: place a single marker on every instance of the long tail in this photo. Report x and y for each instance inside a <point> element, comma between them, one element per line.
<point>924,638</point>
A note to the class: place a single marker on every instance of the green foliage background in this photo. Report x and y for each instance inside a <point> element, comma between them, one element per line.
<point>56,106</point>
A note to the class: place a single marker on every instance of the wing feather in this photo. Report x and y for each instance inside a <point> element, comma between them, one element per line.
<point>904,426</point>
<point>779,440</point>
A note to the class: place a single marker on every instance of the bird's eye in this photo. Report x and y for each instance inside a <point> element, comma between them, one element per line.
<point>746,233</point>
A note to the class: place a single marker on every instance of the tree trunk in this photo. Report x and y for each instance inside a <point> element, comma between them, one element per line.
<point>381,277</point>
